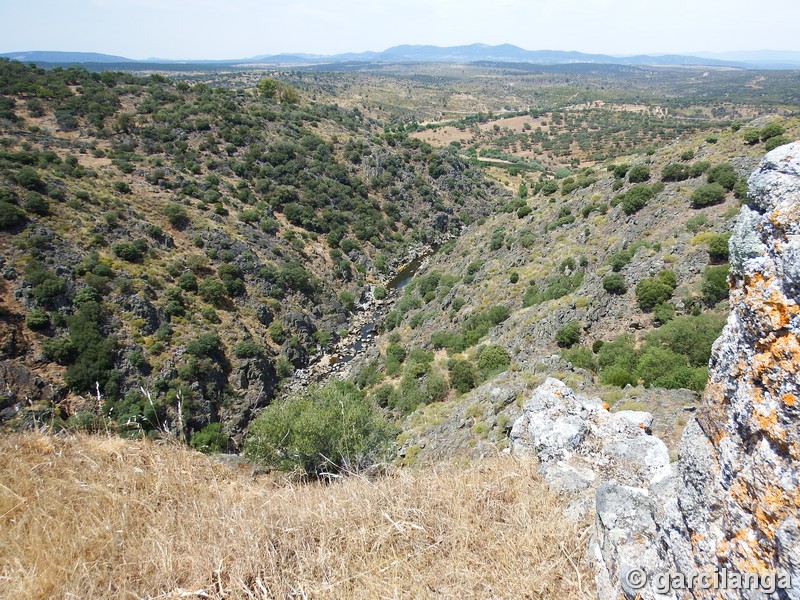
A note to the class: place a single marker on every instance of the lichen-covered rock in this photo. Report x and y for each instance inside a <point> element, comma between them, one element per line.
<point>579,443</point>
<point>735,506</point>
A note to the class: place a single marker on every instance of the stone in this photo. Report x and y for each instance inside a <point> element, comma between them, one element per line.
<point>734,502</point>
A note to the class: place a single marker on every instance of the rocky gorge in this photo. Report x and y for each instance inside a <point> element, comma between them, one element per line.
<point>724,520</point>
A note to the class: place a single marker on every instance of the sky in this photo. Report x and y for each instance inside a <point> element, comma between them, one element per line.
<point>231,29</point>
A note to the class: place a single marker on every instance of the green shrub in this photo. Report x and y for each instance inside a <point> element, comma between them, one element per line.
<point>187,282</point>
<point>706,195</point>
<point>210,439</point>
<point>29,179</point>
<point>718,247</point>
<point>277,332</point>
<point>207,344</point>
<point>714,284</point>
<point>176,215</point>
<point>580,357</point>
<point>664,312</point>
<point>653,291</point>
<point>10,216</point>
<point>724,174</point>
<point>554,287</point>
<point>328,428</point>
<point>94,352</point>
<point>379,292</point>
<point>569,335</point>
<point>639,174</point>
<point>771,130</point>
<point>776,141</point>
<point>37,319</point>
<point>691,336</point>
<point>212,290</point>
<point>675,172</point>
<point>130,251</point>
<point>696,222</point>
<point>614,283</point>
<point>47,286</point>
<point>247,349</point>
<point>36,203</point>
<point>462,375</point>
<point>751,135</point>
<point>636,198</point>
<point>493,359</point>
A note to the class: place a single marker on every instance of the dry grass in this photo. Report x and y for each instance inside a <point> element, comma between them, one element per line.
<point>95,517</point>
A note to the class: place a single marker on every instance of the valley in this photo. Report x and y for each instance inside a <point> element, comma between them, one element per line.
<point>337,286</point>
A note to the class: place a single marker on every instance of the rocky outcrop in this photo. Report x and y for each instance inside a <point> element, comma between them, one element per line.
<point>580,444</point>
<point>724,522</point>
<point>734,507</point>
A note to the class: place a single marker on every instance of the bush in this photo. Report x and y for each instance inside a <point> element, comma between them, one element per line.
<point>379,292</point>
<point>10,216</point>
<point>29,179</point>
<point>635,198</point>
<point>690,336</point>
<point>210,439</point>
<point>771,130</point>
<point>653,291</point>
<point>699,167</point>
<point>639,174</point>
<point>248,349</point>
<point>675,172</point>
<point>706,195</point>
<point>462,375</point>
<point>176,215</point>
<point>277,332</point>
<point>614,283</point>
<point>776,141</point>
<point>569,334</point>
<point>207,344</point>
<point>751,135</point>
<point>130,251</point>
<point>37,319</point>
<point>580,357</point>
<point>329,428</point>
<point>36,203</point>
<point>724,174</point>
<point>493,359</point>
<point>718,247</point>
<point>212,290</point>
<point>714,284</point>
<point>664,312</point>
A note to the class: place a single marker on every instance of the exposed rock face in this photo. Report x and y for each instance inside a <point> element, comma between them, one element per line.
<point>579,443</point>
<point>736,503</point>
<point>732,504</point>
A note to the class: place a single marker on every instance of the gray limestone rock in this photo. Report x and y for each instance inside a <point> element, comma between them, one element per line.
<point>734,504</point>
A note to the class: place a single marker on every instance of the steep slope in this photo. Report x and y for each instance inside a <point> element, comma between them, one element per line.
<point>171,253</point>
<point>621,271</point>
<point>732,509</point>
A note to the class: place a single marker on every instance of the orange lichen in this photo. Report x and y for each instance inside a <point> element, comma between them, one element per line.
<point>788,399</point>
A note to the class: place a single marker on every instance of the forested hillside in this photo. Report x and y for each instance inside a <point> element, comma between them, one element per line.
<point>172,252</point>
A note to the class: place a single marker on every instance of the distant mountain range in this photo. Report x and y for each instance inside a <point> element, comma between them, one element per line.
<point>506,53</point>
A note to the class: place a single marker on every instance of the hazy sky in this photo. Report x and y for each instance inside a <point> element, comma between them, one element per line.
<point>194,29</point>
